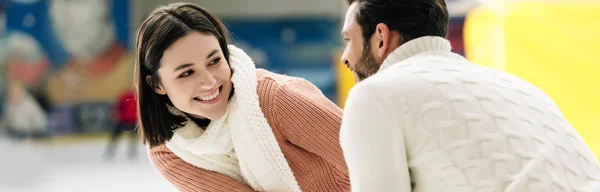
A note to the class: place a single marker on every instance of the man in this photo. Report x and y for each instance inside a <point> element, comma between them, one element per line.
<point>425,119</point>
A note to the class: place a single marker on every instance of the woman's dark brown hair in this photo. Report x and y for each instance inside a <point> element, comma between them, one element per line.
<point>162,28</point>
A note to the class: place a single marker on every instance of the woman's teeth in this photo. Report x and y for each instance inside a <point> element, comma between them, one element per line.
<point>209,97</point>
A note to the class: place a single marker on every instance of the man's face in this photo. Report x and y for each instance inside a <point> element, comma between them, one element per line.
<point>358,55</point>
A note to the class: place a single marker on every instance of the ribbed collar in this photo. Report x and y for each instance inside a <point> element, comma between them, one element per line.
<point>414,47</point>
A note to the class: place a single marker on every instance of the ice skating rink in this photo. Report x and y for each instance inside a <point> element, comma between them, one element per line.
<point>75,166</point>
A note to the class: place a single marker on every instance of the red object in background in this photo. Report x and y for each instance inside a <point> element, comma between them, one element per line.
<point>127,108</point>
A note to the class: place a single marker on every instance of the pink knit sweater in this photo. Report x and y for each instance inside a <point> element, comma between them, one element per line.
<point>306,125</point>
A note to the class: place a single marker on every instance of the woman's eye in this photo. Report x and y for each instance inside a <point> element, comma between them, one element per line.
<point>215,61</point>
<point>187,73</point>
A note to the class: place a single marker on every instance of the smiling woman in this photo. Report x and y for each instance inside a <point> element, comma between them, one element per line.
<point>276,133</point>
<point>194,75</point>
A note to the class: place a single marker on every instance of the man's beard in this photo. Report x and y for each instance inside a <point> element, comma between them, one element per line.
<point>367,64</point>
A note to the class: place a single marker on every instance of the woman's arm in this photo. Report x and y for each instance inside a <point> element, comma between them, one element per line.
<point>308,119</point>
<point>187,177</point>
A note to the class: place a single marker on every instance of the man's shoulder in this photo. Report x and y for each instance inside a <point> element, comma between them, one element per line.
<point>401,77</point>
<point>388,91</point>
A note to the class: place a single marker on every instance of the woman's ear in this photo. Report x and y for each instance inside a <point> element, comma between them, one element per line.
<point>158,89</point>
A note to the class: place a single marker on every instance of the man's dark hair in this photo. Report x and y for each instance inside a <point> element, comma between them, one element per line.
<point>411,18</point>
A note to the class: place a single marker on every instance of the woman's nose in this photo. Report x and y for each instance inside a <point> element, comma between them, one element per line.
<point>207,80</point>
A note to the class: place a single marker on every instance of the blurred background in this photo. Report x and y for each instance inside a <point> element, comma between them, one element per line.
<point>66,105</point>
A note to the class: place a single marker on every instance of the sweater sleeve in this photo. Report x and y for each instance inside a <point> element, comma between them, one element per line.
<point>309,120</point>
<point>187,177</point>
<point>373,145</point>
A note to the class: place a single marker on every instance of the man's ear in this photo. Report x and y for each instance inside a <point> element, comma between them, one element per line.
<point>158,89</point>
<point>382,34</point>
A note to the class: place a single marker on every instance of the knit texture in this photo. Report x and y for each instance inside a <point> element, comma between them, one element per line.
<point>430,120</point>
<point>306,126</point>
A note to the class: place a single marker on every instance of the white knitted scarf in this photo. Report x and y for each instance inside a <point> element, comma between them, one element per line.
<point>241,144</point>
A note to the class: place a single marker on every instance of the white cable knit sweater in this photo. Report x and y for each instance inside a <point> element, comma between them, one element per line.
<point>430,120</point>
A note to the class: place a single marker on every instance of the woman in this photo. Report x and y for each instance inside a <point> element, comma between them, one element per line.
<point>216,123</point>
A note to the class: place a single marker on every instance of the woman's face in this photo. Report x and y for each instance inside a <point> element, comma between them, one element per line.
<point>196,76</point>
